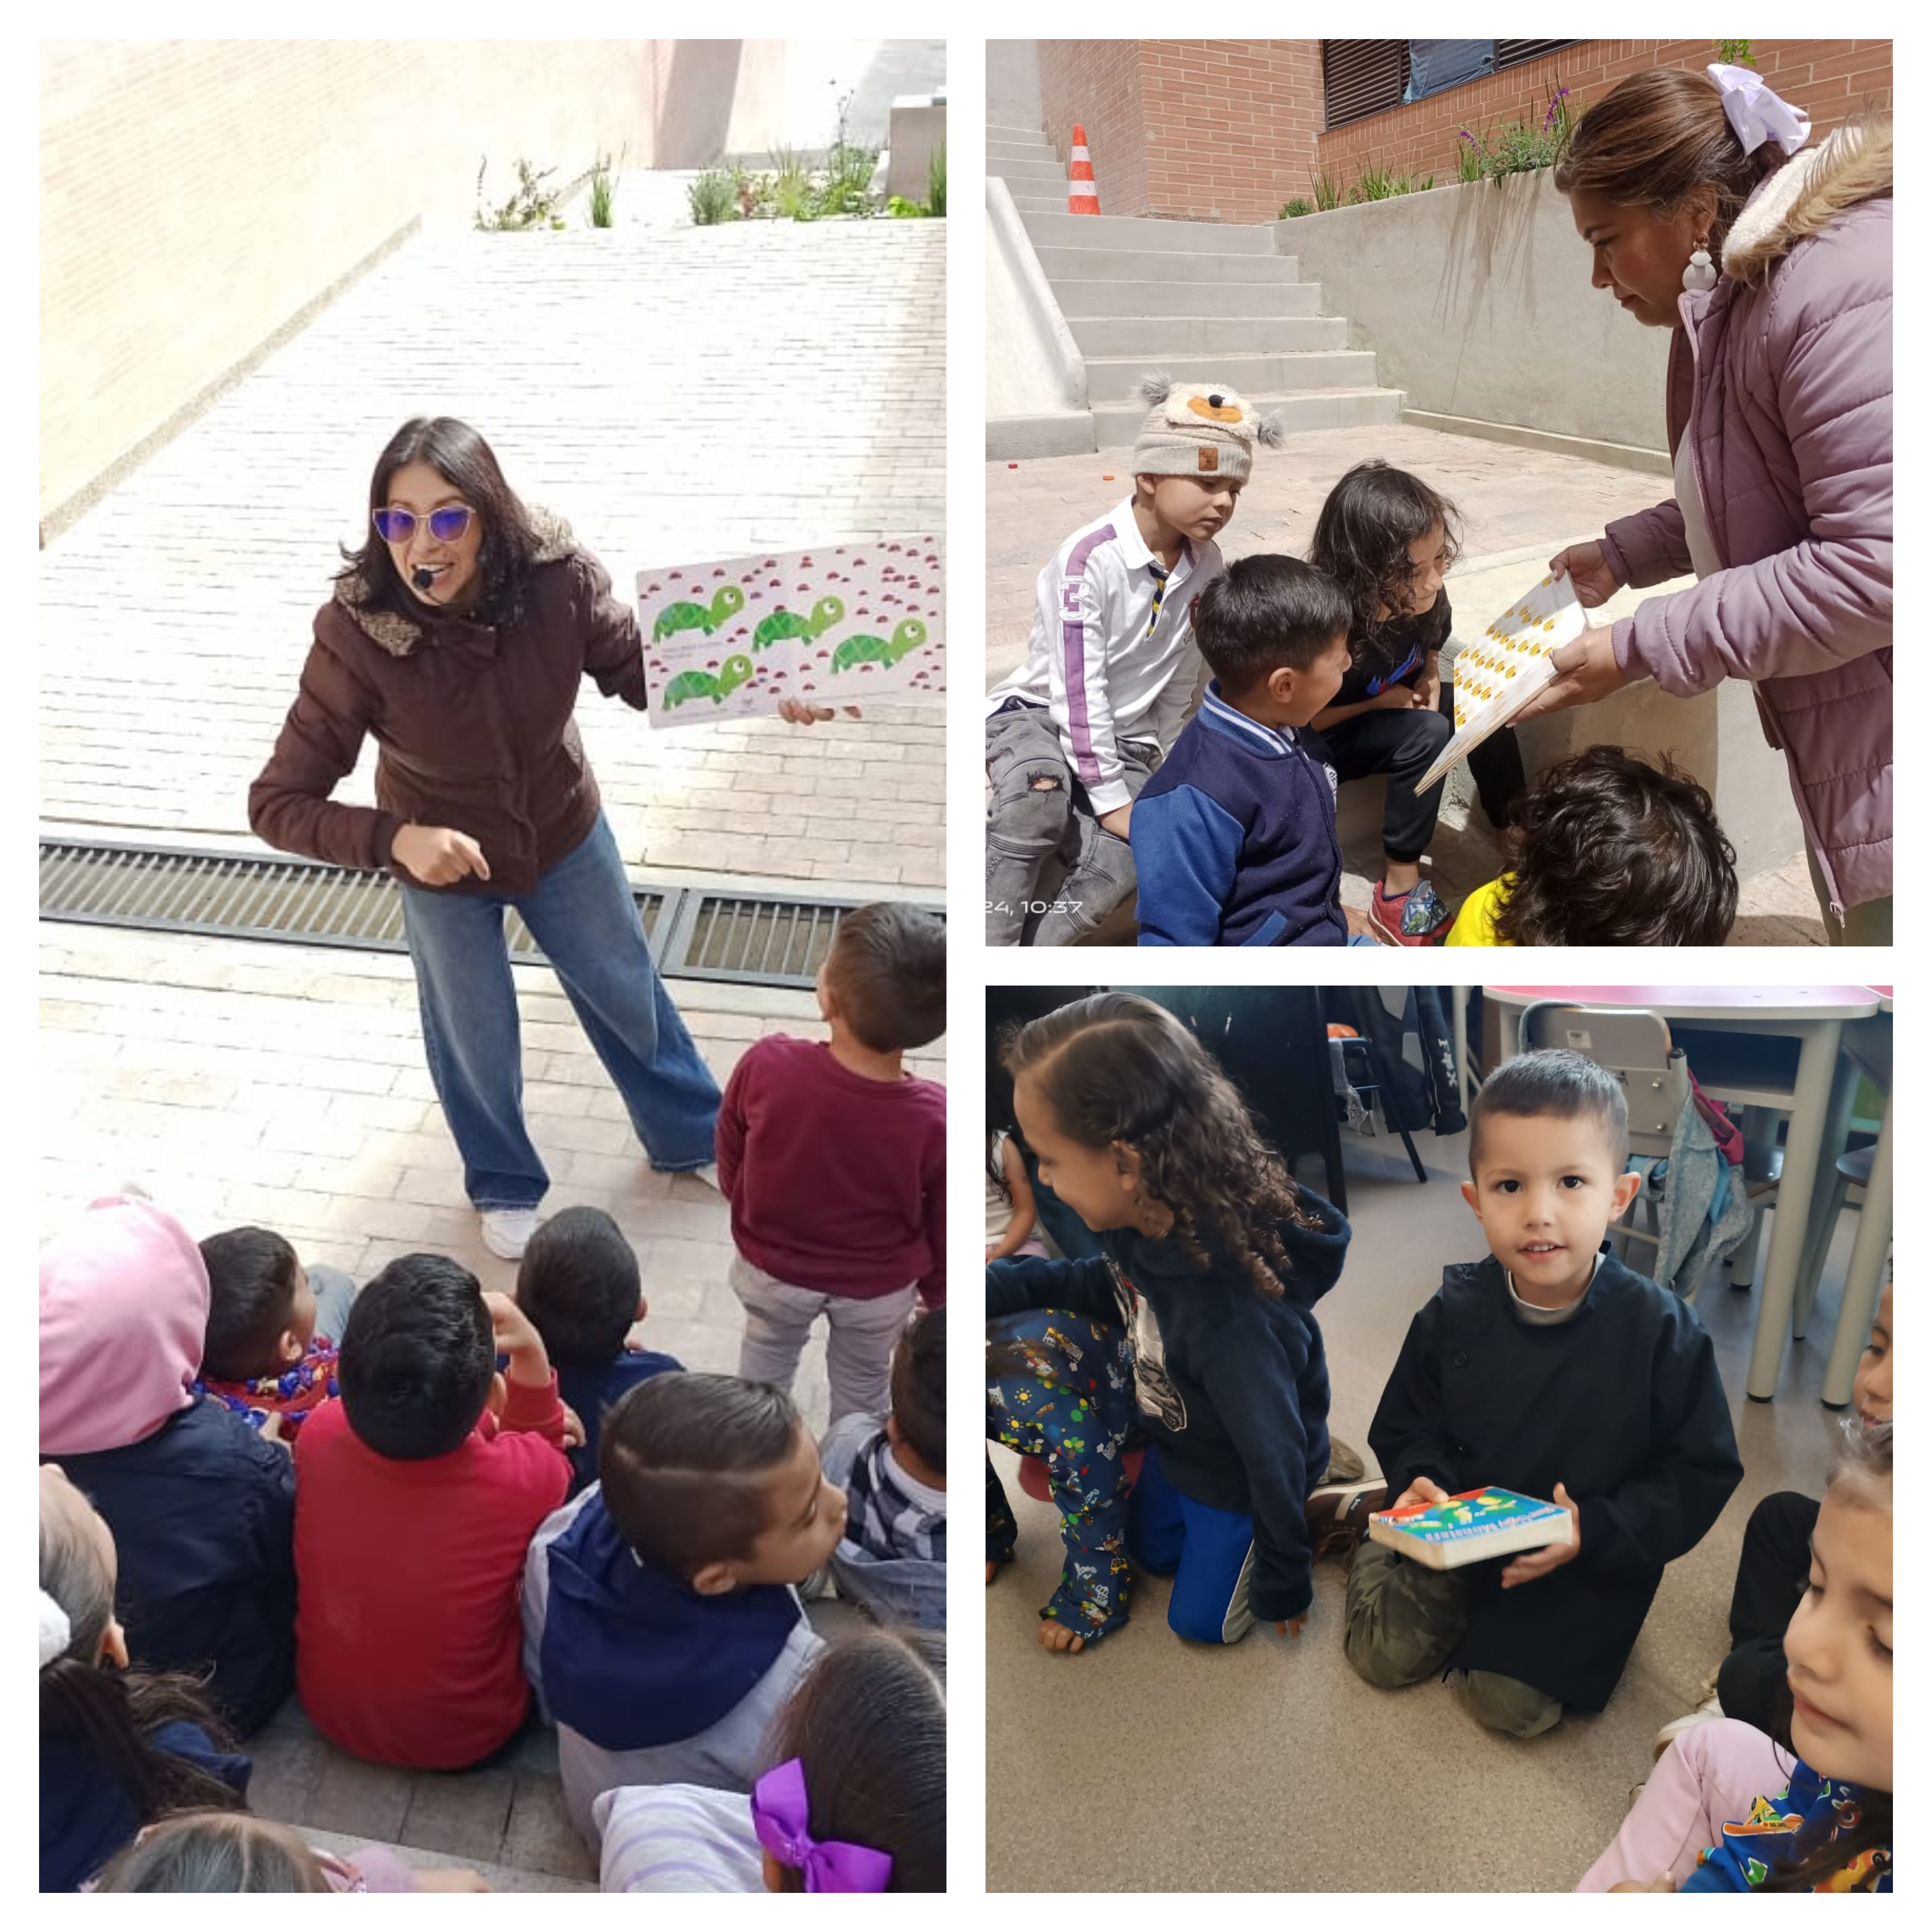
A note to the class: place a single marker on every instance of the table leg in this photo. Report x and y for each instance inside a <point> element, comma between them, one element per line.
<point>1864,1273</point>
<point>1822,1221</point>
<point>1759,1126</point>
<point>1817,1060</point>
<point>1461,996</point>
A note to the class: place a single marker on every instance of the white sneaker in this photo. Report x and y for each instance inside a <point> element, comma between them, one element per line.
<point>507,1230</point>
<point>708,1174</point>
<point>1704,1714</point>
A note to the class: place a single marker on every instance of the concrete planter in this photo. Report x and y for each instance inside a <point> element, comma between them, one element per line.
<point>1476,299</point>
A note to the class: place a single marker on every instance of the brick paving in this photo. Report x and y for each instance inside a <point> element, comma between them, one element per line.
<point>675,394</point>
<point>1511,499</point>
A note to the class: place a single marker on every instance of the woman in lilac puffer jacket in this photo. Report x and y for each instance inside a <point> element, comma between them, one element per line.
<point>1779,415</point>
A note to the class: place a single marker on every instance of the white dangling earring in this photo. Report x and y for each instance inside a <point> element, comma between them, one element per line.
<point>1699,274</point>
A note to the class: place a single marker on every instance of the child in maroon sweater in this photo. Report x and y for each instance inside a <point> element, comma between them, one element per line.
<point>416,1496</point>
<point>833,1158</point>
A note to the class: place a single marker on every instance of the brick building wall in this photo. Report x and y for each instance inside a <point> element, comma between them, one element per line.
<point>1097,83</point>
<point>1204,130</point>
<point>1228,130</point>
<point>195,195</point>
<point>1830,79</point>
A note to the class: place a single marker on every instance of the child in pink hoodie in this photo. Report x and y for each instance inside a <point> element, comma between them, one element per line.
<point>202,1508</point>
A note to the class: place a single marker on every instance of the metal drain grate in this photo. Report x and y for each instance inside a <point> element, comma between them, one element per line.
<point>753,938</point>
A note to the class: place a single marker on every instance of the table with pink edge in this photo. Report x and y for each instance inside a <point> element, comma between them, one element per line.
<point>1816,1017</point>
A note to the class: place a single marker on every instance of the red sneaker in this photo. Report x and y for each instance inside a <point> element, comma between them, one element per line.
<point>1416,917</point>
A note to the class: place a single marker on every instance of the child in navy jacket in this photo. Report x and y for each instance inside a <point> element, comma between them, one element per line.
<point>1234,837</point>
<point>1213,1261</point>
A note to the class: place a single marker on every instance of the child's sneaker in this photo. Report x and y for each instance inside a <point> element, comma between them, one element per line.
<point>1416,917</point>
<point>1339,1513</point>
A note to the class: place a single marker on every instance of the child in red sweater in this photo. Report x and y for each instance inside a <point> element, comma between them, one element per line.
<point>416,1496</point>
<point>833,1158</point>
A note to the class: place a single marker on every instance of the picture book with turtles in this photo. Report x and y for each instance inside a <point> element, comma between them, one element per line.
<point>838,624</point>
<point>1466,1528</point>
<point>1498,674</point>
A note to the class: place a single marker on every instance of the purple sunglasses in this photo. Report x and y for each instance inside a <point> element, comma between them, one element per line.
<point>445,525</point>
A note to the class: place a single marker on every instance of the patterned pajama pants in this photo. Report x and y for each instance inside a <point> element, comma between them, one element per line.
<point>1060,1386</point>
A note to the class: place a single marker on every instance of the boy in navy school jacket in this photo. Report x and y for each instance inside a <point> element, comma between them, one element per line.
<point>1234,837</point>
<point>1550,1369</point>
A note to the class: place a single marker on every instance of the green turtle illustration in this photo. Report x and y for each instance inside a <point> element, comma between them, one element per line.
<point>728,602</point>
<point>826,612</point>
<point>908,637</point>
<point>731,674</point>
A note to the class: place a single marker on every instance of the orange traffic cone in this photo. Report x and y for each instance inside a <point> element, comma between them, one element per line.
<point>1083,195</point>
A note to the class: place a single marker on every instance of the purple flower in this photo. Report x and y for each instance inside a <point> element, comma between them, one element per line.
<point>1466,135</point>
<point>1563,94</point>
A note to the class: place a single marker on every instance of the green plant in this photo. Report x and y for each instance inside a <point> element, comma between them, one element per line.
<point>1293,206</point>
<point>713,197</point>
<point>1516,149</point>
<point>935,181</point>
<point>1472,156</point>
<point>532,205</point>
<point>904,210</point>
<point>1327,194</point>
<point>1735,53</point>
<point>603,193</point>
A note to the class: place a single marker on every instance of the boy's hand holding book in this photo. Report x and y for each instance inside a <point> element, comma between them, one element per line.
<point>1535,1563</point>
<point>1419,1495</point>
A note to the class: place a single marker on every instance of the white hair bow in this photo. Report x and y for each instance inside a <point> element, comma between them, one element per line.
<point>56,1632</point>
<point>1756,114</point>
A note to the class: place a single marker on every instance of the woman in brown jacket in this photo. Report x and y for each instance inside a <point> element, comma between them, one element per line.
<point>457,636</point>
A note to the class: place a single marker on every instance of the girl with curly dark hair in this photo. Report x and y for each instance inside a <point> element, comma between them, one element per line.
<point>1608,850</point>
<point>1212,1262</point>
<point>1389,539</point>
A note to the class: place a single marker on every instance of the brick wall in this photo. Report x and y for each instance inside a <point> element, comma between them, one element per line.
<point>1097,83</point>
<point>197,194</point>
<point>1205,130</point>
<point>1830,79</point>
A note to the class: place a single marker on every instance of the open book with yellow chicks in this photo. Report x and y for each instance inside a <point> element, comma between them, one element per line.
<point>1496,676</point>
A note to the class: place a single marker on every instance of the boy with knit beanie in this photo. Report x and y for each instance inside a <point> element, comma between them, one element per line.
<point>1111,669</point>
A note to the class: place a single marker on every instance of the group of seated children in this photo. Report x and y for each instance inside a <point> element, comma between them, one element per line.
<point>442,1515</point>
<point>1222,826</point>
<point>1175,1388</point>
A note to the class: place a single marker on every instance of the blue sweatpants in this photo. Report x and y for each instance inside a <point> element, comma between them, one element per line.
<point>1209,1553</point>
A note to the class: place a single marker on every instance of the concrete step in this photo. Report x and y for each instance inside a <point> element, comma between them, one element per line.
<point>1154,338</point>
<point>1037,204</point>
<point>1138,231</point>
<point>1035,150</point>
<point>1158,296</point>
<point>1005,131</point>
<point>1116,425</point>
<point>1046,170</point>
<point>1064,264</point>
<point>1112,378</point>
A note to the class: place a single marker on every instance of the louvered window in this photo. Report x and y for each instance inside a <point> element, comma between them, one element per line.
<point>1359,78</point>
<point>1513,53</point>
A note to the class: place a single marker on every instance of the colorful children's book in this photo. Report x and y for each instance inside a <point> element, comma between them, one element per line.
<point>1496,676</point>
<point>837,624</point>
<point>1468,1528</point>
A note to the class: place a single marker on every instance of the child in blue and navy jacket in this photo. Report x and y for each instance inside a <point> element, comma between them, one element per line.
<point>1212,1260</point>
<point>578,1282</point>
<point>1234,837</point>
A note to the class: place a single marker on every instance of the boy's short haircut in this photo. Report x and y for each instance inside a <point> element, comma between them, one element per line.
<point>1557,1084</point>
<point>251,1291</point>
<point>418,1358</point>
<point>1266,613</point>
<point>918,1387</point>
<point>887,970</point>
<point>685,1461</point>
<point>578,1284</point>
<point>1608,850</point>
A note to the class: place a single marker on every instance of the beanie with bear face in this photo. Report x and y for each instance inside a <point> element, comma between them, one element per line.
<point>1201,430</point>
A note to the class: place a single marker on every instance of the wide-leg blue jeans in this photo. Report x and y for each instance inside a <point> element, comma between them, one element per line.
<point>582,914</point>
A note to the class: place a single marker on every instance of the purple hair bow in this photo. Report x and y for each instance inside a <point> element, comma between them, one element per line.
<point>781,1814</point>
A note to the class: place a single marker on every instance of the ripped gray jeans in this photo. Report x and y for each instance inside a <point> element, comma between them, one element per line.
<point>1038,810</point>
